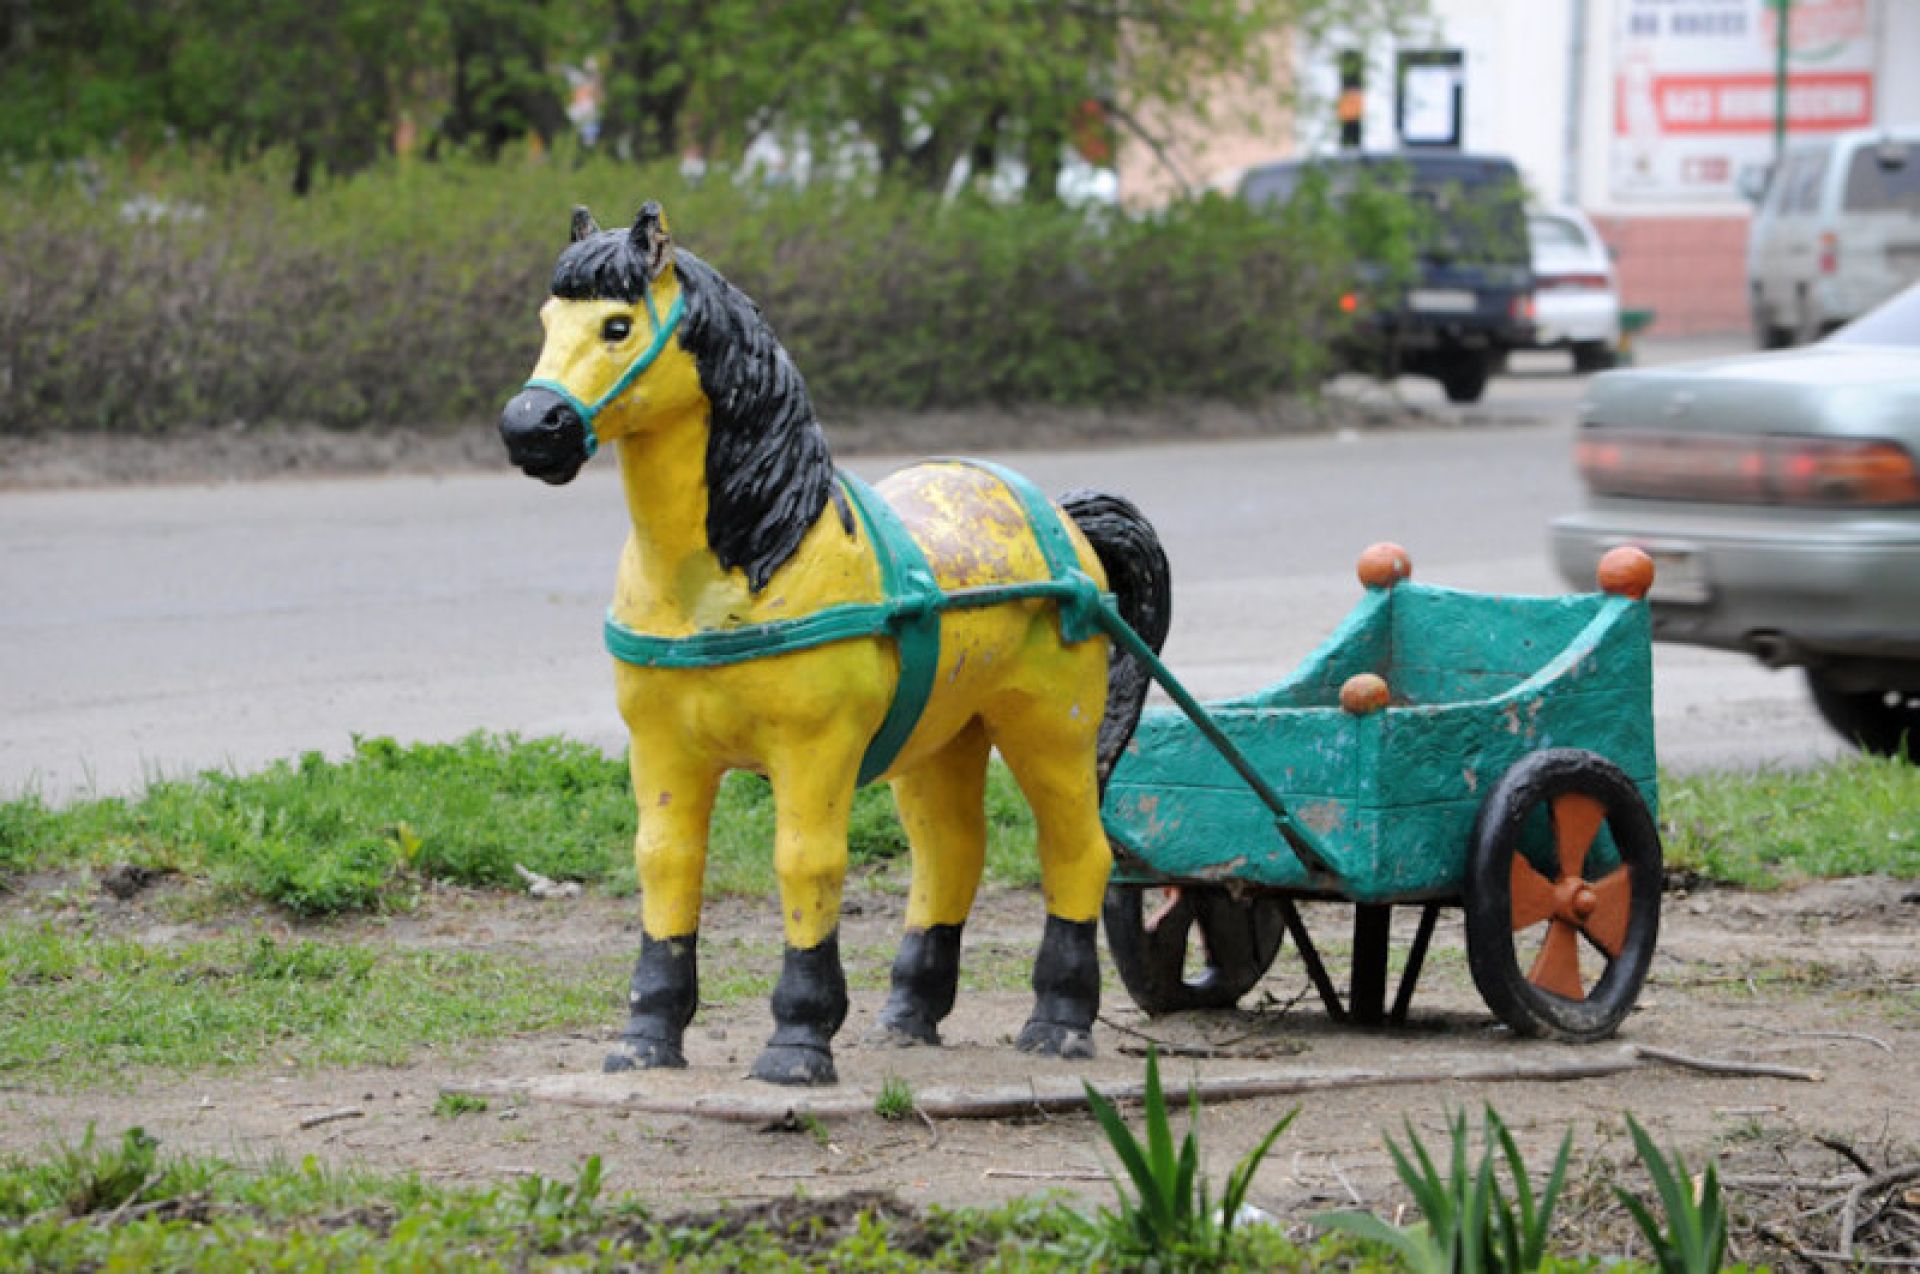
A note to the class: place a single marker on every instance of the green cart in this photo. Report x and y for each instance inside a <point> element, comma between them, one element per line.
<point>1442,748</point>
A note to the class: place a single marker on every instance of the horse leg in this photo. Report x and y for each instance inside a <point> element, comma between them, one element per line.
<point>1051,754</point>
<point>675,799</point>
<point>812,798</point>
<point>943,806</point>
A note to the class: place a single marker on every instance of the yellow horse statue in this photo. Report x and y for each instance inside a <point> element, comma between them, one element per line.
<point>774,615</point>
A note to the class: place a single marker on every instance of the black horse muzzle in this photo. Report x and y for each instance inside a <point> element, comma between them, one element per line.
<point>545,436</point>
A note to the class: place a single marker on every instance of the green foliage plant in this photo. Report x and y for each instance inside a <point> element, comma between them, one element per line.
<point>1694,1238</point>
<point>1169,1212</point>
<point>895,1101</point>
<point>1468,1224</point>
<point>454,1105</point>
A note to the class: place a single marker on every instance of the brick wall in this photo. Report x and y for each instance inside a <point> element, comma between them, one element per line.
<point>1692,271</point>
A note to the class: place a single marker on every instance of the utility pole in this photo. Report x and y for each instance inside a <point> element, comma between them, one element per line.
<point>1782,25</point>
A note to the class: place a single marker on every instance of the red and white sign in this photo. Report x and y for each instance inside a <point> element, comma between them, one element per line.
<point>1695,96</point>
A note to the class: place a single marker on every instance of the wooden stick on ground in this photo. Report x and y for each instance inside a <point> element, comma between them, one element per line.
<point>331,1116</point>
<point>1726,1065</point>
<point>1033,1098</point>
<point>1849,1211</point>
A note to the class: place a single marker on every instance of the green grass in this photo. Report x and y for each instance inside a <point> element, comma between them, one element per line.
<point>319,837</point>
<point>1853,817</point>
<point>80,1008</point>
<point>124,1203</point>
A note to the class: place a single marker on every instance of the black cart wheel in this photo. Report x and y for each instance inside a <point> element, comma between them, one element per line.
<point>1526,931</point>
<point>1151,930</point>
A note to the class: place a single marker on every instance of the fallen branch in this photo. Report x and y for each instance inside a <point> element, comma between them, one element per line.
<point>1857,1036</point>
<point>1021,1174</point>
<point>1726,1065</point>
<point>332,1116</point>
<point>1850,1210</point>
<point>603,1092</point>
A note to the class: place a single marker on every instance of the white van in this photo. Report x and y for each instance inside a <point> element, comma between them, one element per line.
<point>1836,233</point>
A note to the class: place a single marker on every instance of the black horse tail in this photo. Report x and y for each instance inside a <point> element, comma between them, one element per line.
<point>1142,586</point>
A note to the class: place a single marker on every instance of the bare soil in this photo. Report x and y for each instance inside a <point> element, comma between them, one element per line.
<point>1826,977</point>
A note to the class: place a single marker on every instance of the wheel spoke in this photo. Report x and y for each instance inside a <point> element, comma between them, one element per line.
<point>1576,821</point>
<point>1557,967</point>
<point>1532,895</point>
<point>1613,906</point>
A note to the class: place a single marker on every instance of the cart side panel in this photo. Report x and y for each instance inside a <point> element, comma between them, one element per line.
<point>1177,803</point>
<point>1596,694</point>
<point>1456,647</point>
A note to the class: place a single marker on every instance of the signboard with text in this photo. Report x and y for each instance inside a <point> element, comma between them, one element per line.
<point>1694,88</point>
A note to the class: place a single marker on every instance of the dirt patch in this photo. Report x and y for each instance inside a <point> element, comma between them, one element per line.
<point>247,453</point>
<point>1825,977</point>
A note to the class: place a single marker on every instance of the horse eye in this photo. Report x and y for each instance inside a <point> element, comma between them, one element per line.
<point>617,329</point>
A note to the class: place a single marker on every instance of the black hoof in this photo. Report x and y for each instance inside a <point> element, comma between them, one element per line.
<point>905,1030</point>
<point>796,1065</point>
<point>644,1055</point>
<point>1051,1039</point>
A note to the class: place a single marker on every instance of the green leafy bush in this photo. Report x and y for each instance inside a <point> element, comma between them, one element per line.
<point>406,296</point>
<point>1694,1238</point>
<point>1170,1216</point>
<point>1467,1224</point>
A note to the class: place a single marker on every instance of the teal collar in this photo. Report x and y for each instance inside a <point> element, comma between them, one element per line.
<point>662,333</point>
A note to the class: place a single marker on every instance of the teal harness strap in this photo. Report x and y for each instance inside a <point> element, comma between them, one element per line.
<point>910,614</point>
<point>915,598</point>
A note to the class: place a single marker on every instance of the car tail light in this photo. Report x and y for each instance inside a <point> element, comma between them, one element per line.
<point>1814,472</point>
<point>1829,252</point>
<point>1521,307</point>
<point>1551,282</point>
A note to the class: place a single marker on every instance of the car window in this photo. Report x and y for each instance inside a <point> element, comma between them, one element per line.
<point>1804,196</point>
<point>1895,323</point>
<point>1884,178</point>
<point>1548,233</point>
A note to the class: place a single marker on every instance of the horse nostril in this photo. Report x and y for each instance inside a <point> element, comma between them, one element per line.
<point>544,434</point>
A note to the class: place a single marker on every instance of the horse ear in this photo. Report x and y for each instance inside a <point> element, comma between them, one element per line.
<point>651,238</point>
<point>583,223</point>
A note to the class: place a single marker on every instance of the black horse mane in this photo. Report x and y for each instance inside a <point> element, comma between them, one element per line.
<point>769,472</point>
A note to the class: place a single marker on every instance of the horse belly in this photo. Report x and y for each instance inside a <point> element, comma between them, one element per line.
<point>741,716</point>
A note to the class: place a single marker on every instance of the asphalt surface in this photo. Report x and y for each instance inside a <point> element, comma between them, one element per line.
<point>165,630</point>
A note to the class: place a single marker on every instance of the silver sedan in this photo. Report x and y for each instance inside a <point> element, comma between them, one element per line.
<point>1780,499</point>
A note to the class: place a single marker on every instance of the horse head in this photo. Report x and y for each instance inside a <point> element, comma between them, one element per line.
<point>611,361</point>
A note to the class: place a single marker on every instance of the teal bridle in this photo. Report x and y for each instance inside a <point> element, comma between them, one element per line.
<point>662,333</point>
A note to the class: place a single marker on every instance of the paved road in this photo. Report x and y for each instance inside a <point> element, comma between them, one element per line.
<point>165,630</point>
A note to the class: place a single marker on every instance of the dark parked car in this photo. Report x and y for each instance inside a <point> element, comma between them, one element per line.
<point>1779,496</point>
<point>1470,300</point>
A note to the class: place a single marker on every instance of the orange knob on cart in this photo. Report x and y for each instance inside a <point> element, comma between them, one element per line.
<point>1384,564</point>
<point>1626,572</point>
<point>1364,693</point>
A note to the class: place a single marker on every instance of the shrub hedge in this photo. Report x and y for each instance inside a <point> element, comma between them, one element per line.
<point>182,295</point>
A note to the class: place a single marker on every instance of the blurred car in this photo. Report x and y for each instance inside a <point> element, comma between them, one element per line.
<point>1779,497</point>
<point>1836,232</point>
<point>1576,300</point>
<point>1471,298</point>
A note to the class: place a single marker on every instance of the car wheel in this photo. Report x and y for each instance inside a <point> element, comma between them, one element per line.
<point>1592,356</point>
<point>1808,326</point>
<point>1766,335</point>
<point>1465,378</point>
<point>1883,721</point>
